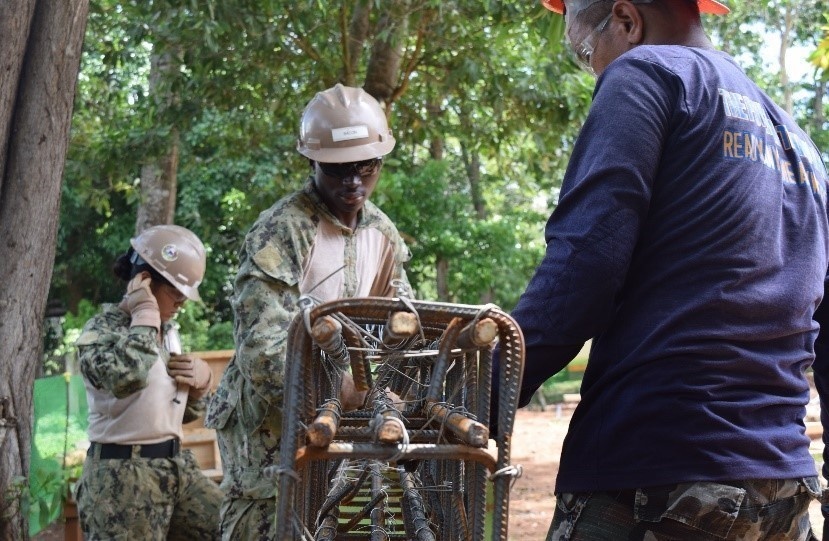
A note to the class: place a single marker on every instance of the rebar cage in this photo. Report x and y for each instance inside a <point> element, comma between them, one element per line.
<point>415,460</point>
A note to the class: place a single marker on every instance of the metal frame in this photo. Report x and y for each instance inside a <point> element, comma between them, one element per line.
<point>419,473</point>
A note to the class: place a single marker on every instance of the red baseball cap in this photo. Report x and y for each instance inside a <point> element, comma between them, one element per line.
<point>705,6</point>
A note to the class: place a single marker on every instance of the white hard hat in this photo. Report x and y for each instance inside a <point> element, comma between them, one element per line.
<point>344,124</point>
<point>174,252</point>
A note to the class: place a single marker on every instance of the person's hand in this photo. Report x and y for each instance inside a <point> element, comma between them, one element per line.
<point>398,403</point>
<point>191,371</point>
<point>350,397</point>
<point>140,302</point>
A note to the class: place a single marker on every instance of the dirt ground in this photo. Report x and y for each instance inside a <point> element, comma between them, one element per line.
<point>537,440</point>
<point>536,446</point>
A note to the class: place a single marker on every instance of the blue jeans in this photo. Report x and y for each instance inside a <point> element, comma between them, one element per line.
<point>764,509</point>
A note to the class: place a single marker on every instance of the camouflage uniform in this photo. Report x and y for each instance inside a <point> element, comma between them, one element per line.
<point>274,265</point>
<point>139,498</point>
<point>770,510</point>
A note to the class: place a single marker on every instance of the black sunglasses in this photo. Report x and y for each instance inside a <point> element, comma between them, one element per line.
<point>364,169</point>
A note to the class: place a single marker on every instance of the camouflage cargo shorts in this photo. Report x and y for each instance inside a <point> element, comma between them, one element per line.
<point>772,509</point>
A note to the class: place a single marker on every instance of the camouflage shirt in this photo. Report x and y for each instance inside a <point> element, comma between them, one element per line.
<point>124,369</point>
<point>295,247</point>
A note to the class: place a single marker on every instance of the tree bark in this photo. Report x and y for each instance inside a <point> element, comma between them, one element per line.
<point>355,37</point>
<point>42,44</point>
<point>436,142</point>
<point>786,33</point>
<point>387,52</point>
<point>442,279</point>
<point>15,21</point>
<point>819,117</point>
<point>472,164</point>
<point>159,181</point>
<point>159,186</point>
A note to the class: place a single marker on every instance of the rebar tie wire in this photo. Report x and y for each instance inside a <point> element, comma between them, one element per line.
<point>513,470</point>
<point>401,447</point>
<point>272,472</point>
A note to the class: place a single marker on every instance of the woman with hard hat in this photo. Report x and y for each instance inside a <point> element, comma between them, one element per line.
<point>137,482</point>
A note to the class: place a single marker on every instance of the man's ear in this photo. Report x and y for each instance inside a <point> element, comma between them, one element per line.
<point>632,20</point>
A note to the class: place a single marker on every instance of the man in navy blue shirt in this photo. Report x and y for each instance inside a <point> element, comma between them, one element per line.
<point>690,242</point>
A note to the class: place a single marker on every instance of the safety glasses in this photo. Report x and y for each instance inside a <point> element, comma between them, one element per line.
<point>583,51</point>
<point>363,169</point>
<point>175,295</point>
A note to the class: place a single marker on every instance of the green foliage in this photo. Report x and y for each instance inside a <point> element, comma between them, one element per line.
<point>48,486</point>
<point>56,460</point>
<point>60,335</point>
<point>77,320</point>
<point>431,208</point>
<point>485,104</point>
<point>237,101</point>
<point>554,389</point>
<point>15,499</point>
<point>198,334</point>
<point>820,56</point>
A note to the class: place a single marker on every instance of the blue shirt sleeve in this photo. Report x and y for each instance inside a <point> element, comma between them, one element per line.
<point>592,234</point>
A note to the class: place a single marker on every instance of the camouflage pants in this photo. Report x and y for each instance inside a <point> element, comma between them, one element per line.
<point>147,499</point>
<point>249,441</point>
<point>768,510</point>
<point>248,520</point>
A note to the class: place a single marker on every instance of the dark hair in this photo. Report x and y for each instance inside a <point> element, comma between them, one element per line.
<point>593,15</point>
<point>126,270</point>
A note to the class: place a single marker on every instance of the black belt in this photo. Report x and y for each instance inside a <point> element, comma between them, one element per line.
<point>164,449</point>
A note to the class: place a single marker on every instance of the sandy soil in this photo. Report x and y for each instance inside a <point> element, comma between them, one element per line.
<point>537,439</point>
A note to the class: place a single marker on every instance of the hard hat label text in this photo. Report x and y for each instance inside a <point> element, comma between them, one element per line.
<point>348,133</point>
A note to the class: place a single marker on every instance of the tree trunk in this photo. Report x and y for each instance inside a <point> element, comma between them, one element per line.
<point>159,184</point>
<point>442,279</point>
<point>436,142</point>
<point>354,36</point>
<point>387,52</point>
<point>41,43</point>
<point>786,34</point>
<point>15,21</point>
<point>472,164</point>
<point>819,117</point>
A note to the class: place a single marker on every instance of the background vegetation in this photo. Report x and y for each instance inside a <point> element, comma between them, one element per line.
<point>187,111</point>
<point>483,99</point>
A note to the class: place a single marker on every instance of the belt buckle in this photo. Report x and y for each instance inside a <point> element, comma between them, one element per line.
<point>176,447</point>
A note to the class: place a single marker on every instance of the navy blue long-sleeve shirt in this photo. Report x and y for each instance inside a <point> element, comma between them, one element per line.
<point>690,243</point>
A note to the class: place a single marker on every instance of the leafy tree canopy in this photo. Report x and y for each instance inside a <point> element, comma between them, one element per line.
<point>483,98</point>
